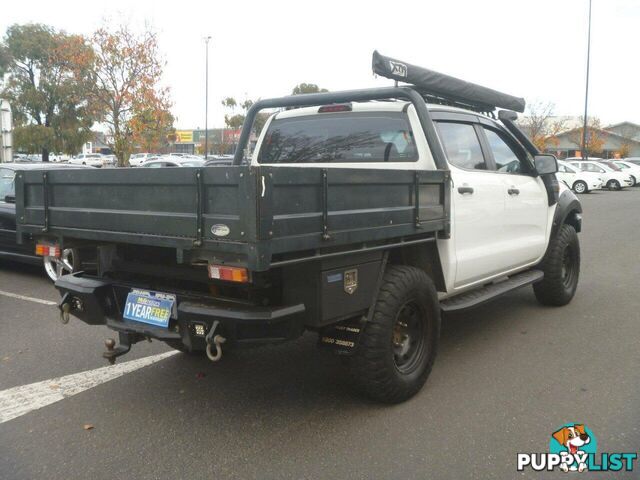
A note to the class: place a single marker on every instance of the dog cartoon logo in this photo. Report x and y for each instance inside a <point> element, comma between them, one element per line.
<point>574,448</point>
<point>573,439</point>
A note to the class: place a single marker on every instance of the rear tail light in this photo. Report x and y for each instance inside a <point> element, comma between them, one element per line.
<point>46,250</point>
<point>229,274</point>
<point>345,107</point>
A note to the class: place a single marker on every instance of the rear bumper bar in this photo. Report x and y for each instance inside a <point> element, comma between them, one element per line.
<point>101,302</point>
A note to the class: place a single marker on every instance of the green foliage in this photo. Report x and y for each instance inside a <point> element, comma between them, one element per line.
<point>229,102</point>
<point>235,121</point>
<point>33,138</point>
<point>46,84</point>
<point>302,88</point>
<point>260,121</point>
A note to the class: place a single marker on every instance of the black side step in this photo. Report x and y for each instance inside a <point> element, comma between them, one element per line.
<point>482,295</point>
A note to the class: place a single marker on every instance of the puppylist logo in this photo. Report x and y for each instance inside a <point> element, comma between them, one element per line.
<point>572,448</point>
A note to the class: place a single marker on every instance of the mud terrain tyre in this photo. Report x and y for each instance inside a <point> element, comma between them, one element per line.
<point>397,348</point>
<point>561,267</point>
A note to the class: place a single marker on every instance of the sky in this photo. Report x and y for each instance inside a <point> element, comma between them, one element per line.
<point>260,49</point>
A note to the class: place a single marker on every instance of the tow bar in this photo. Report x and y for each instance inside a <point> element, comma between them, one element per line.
<point>114,352</point>
<point>216,341</point>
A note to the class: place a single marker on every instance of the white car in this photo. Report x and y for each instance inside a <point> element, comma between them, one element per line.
<point>91,159</point>
<point>613,180</point>
<point>631,168</point>
<point>137,159</point>
<point>579,159</point>
<point>576,179</point>
<point>173,162</point>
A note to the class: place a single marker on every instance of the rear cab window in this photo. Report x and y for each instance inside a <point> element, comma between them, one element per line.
<point>345,137</point>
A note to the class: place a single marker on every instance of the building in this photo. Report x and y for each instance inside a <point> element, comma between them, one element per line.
<point>6,129</point>
<point>626,129</point>
<point>221,141</point>
<point>618,140</point>
<point>99,144</point>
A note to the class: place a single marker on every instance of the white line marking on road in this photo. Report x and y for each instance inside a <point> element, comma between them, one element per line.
<point>17,401</point>
<point>30,299</point>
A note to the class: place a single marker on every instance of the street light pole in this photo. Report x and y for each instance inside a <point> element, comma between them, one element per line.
<point>585,155</point>
<point>206,99</point>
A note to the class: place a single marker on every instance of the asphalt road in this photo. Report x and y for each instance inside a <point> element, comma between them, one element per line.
<point>508,374</point>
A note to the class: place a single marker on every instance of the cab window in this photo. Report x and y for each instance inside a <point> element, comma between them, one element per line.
<point>339,138</point>
<point>461,145</point>
<point>506,159</point>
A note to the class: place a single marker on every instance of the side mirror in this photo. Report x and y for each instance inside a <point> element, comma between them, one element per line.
<point>10,199</point>
<point>546,164</point>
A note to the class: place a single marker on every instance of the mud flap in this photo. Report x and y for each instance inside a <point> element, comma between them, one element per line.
<point>341,338</point>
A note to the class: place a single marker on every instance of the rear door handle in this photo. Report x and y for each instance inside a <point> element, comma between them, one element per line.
<point>513,191</point>
<point>465,189</point>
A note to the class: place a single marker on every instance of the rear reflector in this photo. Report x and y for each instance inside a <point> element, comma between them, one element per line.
<point>45,250</point>
<point>229,274</point>
<point>335,108</point>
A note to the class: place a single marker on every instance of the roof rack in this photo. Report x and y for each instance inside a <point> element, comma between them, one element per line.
<point>444,89</point>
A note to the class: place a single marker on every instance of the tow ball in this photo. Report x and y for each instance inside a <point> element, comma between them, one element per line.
<point>214,341</point>
<point>114,352</point>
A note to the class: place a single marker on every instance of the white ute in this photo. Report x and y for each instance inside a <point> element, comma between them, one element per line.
<point>362,216</point>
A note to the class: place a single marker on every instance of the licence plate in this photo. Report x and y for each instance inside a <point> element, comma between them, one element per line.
<point>154,308</point>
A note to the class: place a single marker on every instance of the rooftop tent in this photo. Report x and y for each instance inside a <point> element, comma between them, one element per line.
<point>445,87</point>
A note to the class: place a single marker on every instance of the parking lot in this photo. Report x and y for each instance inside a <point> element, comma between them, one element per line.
<point>507,375</point>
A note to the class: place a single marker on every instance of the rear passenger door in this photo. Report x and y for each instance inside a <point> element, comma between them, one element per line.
<point>478,201</point>
<point>526,204</point>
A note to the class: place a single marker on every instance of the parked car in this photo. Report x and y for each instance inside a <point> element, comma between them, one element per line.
<point>137,159</point>
<point>634,160</point>
<point>579,159</point>
<point>612,179</point>
<point>90,159</point>
<point>62,261</point>
<point>109,161</point>
<point>616,168</point>
<point>58,158</point>
<point>173,162</point>
<point>365,242</point>
<point>633,169</point>
<point>213,162</point>
<point>576,179</point>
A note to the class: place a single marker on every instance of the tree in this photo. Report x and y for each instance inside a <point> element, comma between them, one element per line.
<point>625,149</point>
<point>541,125</point>
<point>235,121</point>
<point>152,127</point>
<point>127,71</point>
<point>307,88</point>
<point>47,84</point>
<point>596,137</point>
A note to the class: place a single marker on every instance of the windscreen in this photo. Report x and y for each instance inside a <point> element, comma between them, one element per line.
<point>613,166</point>
<point>340,137</point>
